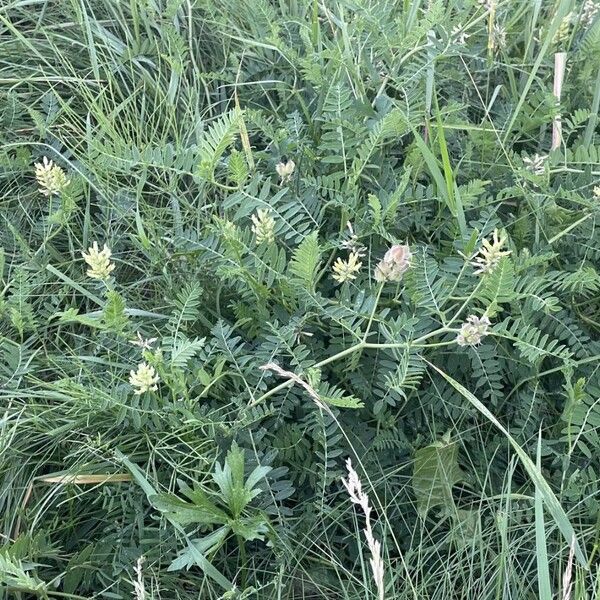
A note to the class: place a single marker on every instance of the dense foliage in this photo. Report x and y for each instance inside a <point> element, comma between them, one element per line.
<point>324,230</point>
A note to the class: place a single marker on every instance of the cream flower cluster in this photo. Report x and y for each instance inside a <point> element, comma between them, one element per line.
<point>99,262</point>
<point>473,331</point>
<point>144,379</point>
<point>263,226</point>
<point>285,170</point>
<point>51,178</point>
<point>490,253</point>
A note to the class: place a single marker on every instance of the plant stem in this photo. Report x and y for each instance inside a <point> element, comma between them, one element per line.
<point>377,297</point>
<point>356,348</point>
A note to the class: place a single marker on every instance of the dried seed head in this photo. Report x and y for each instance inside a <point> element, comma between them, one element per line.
<point>138,585</point>
<point>588,12</point>
<point>359,497</point>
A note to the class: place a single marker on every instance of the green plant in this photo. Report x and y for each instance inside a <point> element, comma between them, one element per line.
<point>278,235</point>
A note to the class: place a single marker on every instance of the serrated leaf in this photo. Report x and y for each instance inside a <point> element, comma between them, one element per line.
<point>202,510</point>
<point>306,259</point>
<point>343,402</point>
<point>114,311</point>
<point>236,492</point>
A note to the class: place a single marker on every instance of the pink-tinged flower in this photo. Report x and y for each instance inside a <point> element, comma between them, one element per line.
<point>394,264</point>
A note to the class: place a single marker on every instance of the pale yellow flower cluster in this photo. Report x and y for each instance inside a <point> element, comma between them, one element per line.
<point>490,253</point>
<point>144,379</point>
<point>263,226</point>
<point>562,33</point>
<point>346,270</point>
<point>51,178</point>
<point>99,262</point>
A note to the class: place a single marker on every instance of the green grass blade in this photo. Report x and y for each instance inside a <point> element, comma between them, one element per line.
<point>544,587</point>
<point>550,500</point>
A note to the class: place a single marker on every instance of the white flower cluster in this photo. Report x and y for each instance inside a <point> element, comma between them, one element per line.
<point>473,331</point>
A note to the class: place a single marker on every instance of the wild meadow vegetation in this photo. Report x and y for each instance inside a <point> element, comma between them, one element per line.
<point>300,300</point>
